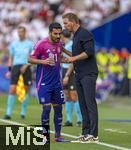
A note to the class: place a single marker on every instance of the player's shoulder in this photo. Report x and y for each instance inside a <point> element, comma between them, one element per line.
<point>13,43</point>
<point>70,42</point>
<point>69,45</point>
<point>29,42</point>
<point>43,41</point>
<point>40,43</point>
<point>85,33</point>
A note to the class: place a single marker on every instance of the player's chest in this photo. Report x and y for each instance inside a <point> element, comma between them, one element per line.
<point>21,49</point>
<point>52,49</point>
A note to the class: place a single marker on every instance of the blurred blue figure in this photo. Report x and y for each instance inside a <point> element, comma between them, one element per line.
<point>69,84</point>
<point>4,87</point>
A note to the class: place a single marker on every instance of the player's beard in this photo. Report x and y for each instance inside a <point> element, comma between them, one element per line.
<point>57,40</point>
<point>54,40</point>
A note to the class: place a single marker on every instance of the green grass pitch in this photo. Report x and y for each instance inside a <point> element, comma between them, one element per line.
<point>117,134</point>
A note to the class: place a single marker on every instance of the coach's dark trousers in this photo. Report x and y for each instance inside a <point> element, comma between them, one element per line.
<point>86,88</point>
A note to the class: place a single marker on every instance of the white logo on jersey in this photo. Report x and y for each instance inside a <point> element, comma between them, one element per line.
<point>48,50</point>
<point>42,83</point>
<point>42,99</point>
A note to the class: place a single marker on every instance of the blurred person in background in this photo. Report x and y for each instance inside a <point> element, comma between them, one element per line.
<point>3,53</point>
<point>126,82</point>
<point>19,51</point>
<point>69,84</point>
<point>37,15</point>
<point>129,73</point>
<point>115,69</point>
<point>124,54</point>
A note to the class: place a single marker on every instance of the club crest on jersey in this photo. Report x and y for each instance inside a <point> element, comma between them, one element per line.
<point>48,51</point>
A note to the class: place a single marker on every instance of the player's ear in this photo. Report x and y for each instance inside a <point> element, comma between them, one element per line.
<point>72,24</point>
<point>49,33</point>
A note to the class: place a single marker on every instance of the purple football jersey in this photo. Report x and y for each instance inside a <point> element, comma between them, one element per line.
<point>48,75</point>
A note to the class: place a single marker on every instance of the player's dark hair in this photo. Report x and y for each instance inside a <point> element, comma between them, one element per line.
<point>66,33</point>
<point>22,27</point>
<point>54,25</point>
<point>71,17</point>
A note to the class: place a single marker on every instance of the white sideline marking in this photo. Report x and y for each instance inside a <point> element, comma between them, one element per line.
<point>115,130</point>
<point>68,135</point>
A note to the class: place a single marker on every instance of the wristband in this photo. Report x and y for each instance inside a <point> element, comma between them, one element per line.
<point>67,75</point>
<point>9,68</point>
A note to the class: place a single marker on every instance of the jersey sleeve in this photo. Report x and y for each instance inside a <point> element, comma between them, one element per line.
<point>36,50</point>
<point>87,43</point>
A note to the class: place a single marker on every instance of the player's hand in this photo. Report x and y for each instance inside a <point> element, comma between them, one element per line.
<point>49,61</point>
<point>70,59</point>
<point>65,80</point>
<point>23,68</point>
<point>8,74</point>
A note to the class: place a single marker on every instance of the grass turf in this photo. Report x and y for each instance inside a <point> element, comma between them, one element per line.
<point>116,133</point>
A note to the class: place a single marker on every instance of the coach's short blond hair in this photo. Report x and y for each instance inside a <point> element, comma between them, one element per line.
<point>71,17</point>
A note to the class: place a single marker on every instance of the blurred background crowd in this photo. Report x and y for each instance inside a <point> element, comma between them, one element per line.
<point>114,64</point>
<point>36,15</point>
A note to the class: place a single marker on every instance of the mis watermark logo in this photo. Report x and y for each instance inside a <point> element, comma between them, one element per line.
<point>27,138</point>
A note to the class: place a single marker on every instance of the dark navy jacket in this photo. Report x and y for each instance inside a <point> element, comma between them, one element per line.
<point>83,42</point>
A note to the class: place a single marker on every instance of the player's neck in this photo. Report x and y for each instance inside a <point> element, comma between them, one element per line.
<point>22,39</point>
<point>75,28</point>
<point>53,42</point>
